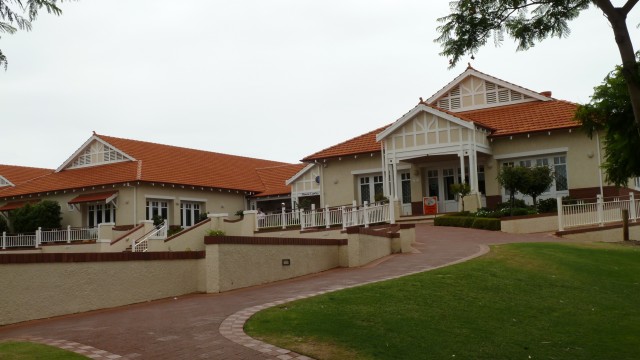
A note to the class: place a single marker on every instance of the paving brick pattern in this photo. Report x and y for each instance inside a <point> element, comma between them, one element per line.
<point>210,326</point>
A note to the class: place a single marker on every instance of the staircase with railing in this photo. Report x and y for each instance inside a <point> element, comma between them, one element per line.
<point>159,232</point>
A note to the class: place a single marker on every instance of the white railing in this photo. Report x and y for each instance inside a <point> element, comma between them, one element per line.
<point>327,217</point>
<point>142,244</point>
<point>598,213</point>
<point>48,236</point>
<point>69,234</point>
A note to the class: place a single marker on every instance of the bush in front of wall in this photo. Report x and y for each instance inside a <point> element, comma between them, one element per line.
<point>213,232</point>
<point>487,224</point>
<point>468,222</point>
<point>3,225</point>
<point>45,214</point>
<point>547,205</point>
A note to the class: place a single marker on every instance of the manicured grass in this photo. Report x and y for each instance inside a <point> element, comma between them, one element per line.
<point>520,301</point>
<point>18,350</point>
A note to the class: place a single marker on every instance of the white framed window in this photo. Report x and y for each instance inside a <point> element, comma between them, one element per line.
<point>157,208</point>
<point>405,184</point>
<point>189,213</point>
<point>636,182</point>
<point>557,163</point>
<point>370,187</point>
<point>100,213</point>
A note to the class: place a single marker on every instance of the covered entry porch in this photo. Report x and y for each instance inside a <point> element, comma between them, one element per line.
<point>427,151</point>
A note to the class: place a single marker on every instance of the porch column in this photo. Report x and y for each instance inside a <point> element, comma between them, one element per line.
<point>462,174</point>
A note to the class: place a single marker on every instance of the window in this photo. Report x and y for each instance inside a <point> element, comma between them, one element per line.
<point>405,179</point>
<point>157,208</point>
<point>100,213</point>
<point>557,163</point>
<point>434,189</point>
<point>637,182</point>
<point>371,185</point>
<point>481,182</point>
<point>560,173</point>
<point>189,213</point>
<point>365,191</point>
<point>448,176</point>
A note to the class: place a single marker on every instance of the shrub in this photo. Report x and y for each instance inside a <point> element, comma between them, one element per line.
<point>202,217</point>
<point>452,220</point>
<point>157,220</point>
<point>486,213</point>
<point>519,212</point>
<point>486,224</point>
<point>547,205</point>
<point>517,203</point>
<point>213,232</point>
<point>45,214</point>
<point>174,229</point>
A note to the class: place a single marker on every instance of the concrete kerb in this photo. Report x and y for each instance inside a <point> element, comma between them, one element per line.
<point>232,327</point>
<point>85,350</point>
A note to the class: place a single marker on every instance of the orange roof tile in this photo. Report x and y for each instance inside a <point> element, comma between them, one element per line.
<point>156,163</point>
<point>526,117</point>
<point>274,179</point>
<point>20,174</point>
<point>16,205</point>
<point>365,143</point>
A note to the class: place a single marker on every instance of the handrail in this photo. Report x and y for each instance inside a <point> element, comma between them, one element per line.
<point>157,233</point>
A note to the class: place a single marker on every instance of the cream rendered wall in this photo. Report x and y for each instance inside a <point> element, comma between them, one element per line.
<point>582,159</point>
<point>216,201</point>
<point>338,184</point>
<point>43,290</point>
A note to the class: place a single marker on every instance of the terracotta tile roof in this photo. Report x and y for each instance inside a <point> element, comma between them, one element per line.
<point>20,174</point>
<point>274,178</point>
<point>526,117</point>
<point>365,143</point>
<point>16,205</point>
<point>156,163</point>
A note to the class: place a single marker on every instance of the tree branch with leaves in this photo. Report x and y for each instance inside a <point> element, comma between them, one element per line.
<point>17,15</point>
<point>472,23</point>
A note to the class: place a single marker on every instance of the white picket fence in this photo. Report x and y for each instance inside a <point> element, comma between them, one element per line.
<point>326,217</point>
<point>48,236</point>
<point>598,212</point>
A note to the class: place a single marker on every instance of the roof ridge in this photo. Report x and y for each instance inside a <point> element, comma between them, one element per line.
<point>27,167</point>
<point>105,137</point>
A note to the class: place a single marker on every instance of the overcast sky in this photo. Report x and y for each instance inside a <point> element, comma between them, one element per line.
<point>278,80</point>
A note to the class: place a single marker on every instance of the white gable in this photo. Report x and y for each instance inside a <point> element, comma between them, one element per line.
<point>93,152</point>
<point>5,182</point>
<point>475,90</point>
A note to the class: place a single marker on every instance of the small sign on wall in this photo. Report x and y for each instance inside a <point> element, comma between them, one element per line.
<point>430,205</point>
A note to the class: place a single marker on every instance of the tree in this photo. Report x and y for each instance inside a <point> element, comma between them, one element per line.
<point>45,214</point>
<point>472,22</point>
<point>610,111</point>
<point>460,190</point>
<point>18,14</point>
<point>537,181</point>
<point>512,178</point>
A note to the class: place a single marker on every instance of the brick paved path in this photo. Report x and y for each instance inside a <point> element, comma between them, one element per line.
<point>191,327</point>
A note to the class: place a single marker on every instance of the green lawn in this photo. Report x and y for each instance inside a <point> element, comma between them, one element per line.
<point>520,301</point>
<point>17,350</point>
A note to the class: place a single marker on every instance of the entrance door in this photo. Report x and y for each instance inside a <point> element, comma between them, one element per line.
<point>449,199</point>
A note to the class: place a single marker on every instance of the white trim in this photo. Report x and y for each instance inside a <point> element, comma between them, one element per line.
<point>192,199</point>
<point>417,109</point>
<point>366,171</point>
<point>476,73</point>
<point>9,183</point>
<point>82,148</point>
<point>160,197</point>
<point>299,173</point>
<point>531,153</point>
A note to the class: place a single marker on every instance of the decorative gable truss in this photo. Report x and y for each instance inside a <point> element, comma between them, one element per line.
<point>5,182</point>
<point>473,93</point>
<point>427,131</point>
<point>93,152</point>
<point>306,182</point>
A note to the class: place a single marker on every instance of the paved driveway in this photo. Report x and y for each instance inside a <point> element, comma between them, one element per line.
<point>188,327</point>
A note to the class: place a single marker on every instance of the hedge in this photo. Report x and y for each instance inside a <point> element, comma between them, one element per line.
<point>468,222</point>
